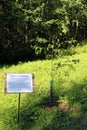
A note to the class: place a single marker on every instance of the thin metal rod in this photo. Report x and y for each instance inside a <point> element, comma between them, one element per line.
<point>51,93</point>
<point>52,74</point>
<point>19,107</point>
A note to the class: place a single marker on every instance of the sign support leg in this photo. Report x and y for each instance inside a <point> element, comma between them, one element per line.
<point>19,107</point>
<point>51,92</point>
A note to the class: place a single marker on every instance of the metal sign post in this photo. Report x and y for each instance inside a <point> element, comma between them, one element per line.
<point>19,107</point>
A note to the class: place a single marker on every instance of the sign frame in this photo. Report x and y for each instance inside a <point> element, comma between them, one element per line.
<point>20,76</point>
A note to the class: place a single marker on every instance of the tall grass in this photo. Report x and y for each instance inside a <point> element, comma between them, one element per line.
<point>69,110</point>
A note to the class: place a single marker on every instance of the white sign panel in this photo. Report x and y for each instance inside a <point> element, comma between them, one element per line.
<point>19,83</point>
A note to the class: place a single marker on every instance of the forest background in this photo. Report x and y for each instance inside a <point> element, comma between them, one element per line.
<point>38,29</point>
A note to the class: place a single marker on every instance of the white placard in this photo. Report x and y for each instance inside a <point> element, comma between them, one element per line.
<point>19,83</point>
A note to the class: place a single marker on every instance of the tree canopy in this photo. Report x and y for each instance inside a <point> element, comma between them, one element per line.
<point>30,28</point>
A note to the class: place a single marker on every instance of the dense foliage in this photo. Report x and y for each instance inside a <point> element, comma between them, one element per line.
<point>31,29</point>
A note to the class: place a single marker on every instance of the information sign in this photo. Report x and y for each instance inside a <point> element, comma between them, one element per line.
<point>19,83</point>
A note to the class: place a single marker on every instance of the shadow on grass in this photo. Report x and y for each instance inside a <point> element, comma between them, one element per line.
<point>32,109</point>
<point>36,110</point>
<point>35,113</point>
<point>74,118</point>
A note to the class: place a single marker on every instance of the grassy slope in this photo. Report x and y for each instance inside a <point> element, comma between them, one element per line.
<point>69,111</point>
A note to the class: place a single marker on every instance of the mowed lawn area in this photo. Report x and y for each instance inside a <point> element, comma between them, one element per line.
<point>69,94</point>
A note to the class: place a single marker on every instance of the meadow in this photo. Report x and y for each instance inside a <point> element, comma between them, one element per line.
<point>69,108</point>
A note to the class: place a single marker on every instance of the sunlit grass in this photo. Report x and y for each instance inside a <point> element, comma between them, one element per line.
<point>69,75</point>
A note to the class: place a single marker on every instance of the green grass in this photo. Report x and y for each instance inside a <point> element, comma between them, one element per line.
<point>69,110</point>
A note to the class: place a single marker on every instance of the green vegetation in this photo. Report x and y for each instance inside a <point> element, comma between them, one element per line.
<point>69,110</point>
<point>45,29</point>
<point>29,28</point>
